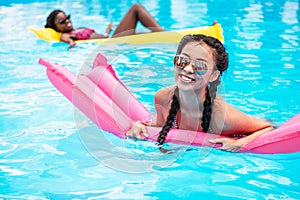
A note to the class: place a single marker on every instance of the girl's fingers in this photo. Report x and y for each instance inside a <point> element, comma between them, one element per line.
<point>138,130</point>
<point>144,131</point>
<point>221,140</point>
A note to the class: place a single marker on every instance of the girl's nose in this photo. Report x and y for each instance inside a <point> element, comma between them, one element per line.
<point>189,69</point>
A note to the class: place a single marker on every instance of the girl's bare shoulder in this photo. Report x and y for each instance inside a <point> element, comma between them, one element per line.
<point>164,95</point>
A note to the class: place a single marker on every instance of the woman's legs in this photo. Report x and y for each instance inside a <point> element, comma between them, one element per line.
<point>135,14</point>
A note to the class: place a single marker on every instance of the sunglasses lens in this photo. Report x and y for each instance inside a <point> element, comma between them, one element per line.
<point>200,67</point>
<point>200,73</point>
<point>181,61</point>
<point>64,20</point>
<point>177,61</point>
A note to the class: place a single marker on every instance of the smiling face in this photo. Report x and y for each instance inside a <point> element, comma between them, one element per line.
<point>186,78</point>
<point>63,23</point>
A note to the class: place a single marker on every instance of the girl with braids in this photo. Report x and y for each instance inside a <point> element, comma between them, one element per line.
<point>192,104</point>
<point>61,22</point>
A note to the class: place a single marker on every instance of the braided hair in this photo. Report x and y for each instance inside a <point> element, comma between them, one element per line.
<point>51,18</point>
<point>221,61</point>
<point>171,117</point>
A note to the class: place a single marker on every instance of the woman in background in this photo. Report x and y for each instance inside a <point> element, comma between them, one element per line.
<point>61,22</point>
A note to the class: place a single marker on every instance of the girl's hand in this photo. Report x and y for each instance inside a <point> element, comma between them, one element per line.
<point>109,28</point>
<point>138,130</point>
<point>232,145</point>
<point>68,38</point>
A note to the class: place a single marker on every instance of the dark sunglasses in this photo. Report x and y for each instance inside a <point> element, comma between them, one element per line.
<point>63,21</point>
<point>199,66</point>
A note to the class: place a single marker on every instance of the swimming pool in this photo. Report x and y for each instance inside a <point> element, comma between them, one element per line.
<point>41,152</point>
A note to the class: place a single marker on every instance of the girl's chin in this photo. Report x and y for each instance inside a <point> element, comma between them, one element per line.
<point>184,85</point>
<point>188,86</point>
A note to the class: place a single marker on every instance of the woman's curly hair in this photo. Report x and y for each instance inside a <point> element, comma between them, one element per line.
<point>51,18</point>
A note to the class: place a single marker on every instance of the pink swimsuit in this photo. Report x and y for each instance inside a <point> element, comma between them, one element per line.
<point>83,33</point>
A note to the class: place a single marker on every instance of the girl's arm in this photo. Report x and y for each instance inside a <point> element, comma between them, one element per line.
<point>239,123</point>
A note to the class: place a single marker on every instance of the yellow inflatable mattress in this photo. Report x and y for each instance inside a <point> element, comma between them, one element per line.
<point>172,37</point>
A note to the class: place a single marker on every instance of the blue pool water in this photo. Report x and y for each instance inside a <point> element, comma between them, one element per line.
<point>42,149</point>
